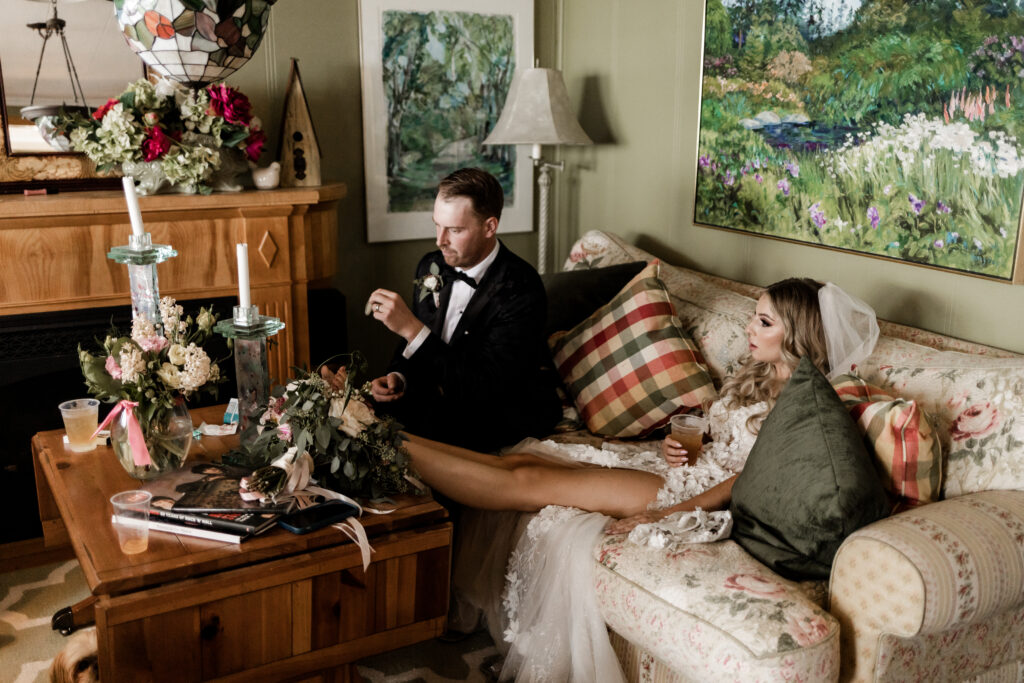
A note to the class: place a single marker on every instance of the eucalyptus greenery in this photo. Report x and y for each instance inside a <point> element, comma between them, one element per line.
<point>354,451</point>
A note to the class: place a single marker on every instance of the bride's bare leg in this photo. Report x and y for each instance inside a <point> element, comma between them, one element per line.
<point>490,486</point>
<point>507,461</point>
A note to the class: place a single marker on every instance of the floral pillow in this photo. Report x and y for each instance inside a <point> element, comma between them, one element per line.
<point>976,402</point>
<point>907,451</point>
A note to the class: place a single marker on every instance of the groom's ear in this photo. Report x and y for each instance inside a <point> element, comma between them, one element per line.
<point>490,227</point>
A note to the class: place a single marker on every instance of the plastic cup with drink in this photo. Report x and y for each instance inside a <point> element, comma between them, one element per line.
<point>689,430</point>
<point>81,416</point>
<point>131,519</point>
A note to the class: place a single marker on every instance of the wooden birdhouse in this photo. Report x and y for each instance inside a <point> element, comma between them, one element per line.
<point>299,149</point>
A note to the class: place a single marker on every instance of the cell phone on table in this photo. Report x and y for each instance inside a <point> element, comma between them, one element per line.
<point>317,516</point>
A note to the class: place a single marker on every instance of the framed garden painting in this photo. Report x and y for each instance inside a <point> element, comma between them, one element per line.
<point>892,128</point>
<point>434,78</point>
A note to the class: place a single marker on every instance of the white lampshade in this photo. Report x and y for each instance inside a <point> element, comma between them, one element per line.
<point>537,112</point>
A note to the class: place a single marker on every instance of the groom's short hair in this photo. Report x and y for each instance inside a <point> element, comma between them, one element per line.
<point>482,189</point>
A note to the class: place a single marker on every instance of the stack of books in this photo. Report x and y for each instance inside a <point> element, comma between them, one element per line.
<point>202,500</point>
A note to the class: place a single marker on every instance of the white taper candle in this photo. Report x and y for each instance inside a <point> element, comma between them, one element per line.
<point>133,205</point>
<point>243,275</point>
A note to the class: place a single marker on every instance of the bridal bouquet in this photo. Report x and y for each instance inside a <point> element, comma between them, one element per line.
<point>186,131</point>
<point>327,426</point>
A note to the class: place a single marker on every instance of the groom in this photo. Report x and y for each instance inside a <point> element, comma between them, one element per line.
<point>475,370</point>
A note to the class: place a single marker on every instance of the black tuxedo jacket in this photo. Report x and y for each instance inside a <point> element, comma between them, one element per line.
<point>493,383</point>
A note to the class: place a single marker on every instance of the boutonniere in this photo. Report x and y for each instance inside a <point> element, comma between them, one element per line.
<point>431,283</point>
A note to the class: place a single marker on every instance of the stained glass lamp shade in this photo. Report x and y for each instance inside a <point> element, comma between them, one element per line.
<point>187,41</point>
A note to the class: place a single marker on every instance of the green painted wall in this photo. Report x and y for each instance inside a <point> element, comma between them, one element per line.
<point>632,69</point>
<point>324,36</point>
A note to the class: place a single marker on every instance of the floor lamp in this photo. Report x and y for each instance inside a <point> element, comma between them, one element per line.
<point>538,112</point>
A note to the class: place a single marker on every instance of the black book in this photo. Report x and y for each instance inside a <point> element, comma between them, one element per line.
<point>241,522</point>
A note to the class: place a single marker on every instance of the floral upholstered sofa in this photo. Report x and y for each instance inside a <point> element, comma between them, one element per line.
<point>933,593</point>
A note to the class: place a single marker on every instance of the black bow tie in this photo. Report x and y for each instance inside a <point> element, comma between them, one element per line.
<point>454,275</point>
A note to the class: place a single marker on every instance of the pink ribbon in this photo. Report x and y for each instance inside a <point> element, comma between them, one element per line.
<point>136,441</point>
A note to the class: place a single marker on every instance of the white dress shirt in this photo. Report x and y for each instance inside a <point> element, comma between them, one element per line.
<point>458,300</point>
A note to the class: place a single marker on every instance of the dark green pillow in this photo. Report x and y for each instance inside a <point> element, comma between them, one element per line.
<point>808,482</point>
<point>573,295</point>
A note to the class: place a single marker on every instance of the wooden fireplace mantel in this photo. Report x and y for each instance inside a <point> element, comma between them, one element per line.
<point>53,252</point>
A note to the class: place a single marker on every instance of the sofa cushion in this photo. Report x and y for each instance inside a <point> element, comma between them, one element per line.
<point>711,608</point>
<point>973,393</point>
<point>900,436</point>
<point>629,366</point>
<point>808,482</point>
<point>573,295</point>
<point>976,402</point>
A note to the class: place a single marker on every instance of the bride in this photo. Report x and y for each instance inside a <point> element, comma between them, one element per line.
<point>556,633</point>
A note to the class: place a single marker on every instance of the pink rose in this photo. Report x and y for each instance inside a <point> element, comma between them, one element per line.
<point>806,631</point>
<point>154,343</point>
<point>254,144</point>
<point>284,431</point>
<point>975,422</point>
<point>112,368</point>
<point>150,118</point>
<point>228,102</point>
<point>155,144</point>
<point>766,588</point>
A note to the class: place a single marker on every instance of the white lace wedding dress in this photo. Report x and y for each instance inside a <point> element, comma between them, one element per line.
<point>553,624</point>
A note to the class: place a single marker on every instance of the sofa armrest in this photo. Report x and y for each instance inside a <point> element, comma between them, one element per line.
<point>927,570</point>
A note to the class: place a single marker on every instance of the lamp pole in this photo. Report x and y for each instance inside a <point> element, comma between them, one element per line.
<point>544,183</point>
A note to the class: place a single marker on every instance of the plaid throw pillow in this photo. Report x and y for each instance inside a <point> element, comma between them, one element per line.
<point>629,367</point>
<point>907,450</point>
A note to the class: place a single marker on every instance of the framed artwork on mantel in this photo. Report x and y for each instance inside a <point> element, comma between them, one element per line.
<point>435,74</point>
<point>890,129</point>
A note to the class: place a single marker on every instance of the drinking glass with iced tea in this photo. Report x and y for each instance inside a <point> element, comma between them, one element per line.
<point>689,430</point>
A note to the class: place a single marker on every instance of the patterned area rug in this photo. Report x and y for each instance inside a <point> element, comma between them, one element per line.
<point>29,597</point>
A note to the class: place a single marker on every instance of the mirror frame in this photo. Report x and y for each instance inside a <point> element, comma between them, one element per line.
<point>51,172</point>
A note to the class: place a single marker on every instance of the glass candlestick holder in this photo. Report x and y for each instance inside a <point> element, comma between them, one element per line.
<point>141,256</point>
<point>249,331</point>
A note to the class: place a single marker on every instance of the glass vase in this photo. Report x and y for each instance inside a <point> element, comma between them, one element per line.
<point>168,437</point>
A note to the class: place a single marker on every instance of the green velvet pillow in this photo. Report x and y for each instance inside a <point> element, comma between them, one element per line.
<point>808,482</point>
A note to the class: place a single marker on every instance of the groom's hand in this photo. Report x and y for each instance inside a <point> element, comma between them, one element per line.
<point>389,308</point>
<point>390,387</point>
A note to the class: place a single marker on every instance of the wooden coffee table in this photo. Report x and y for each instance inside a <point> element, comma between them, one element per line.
<point>276,607</point>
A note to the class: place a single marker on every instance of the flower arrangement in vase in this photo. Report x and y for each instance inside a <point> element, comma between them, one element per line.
<point>165,131</point>
<point>150,374</point>
<point>321,427</point>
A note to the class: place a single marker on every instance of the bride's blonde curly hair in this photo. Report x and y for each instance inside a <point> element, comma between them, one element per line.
<point>795,301</point>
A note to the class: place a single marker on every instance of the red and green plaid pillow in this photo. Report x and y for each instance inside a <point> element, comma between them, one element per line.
<point>629,366</point>
<point>906,448</point>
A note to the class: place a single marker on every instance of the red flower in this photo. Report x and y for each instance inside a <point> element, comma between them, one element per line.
<point>254,144</point>
<point>99,113</point>
<point>155,145</point>
<point>228,102</point>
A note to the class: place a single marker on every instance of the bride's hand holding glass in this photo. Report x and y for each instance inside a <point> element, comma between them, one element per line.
<point>674,453</point>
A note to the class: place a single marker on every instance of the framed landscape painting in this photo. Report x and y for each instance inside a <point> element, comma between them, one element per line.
<point>434,78</point>
<point>884,127</point>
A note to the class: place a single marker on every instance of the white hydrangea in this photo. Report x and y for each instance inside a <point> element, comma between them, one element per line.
<point>196,370</point>
<point>132,363</point>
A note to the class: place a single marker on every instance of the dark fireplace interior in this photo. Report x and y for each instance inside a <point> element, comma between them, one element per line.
<point>39,369</point>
